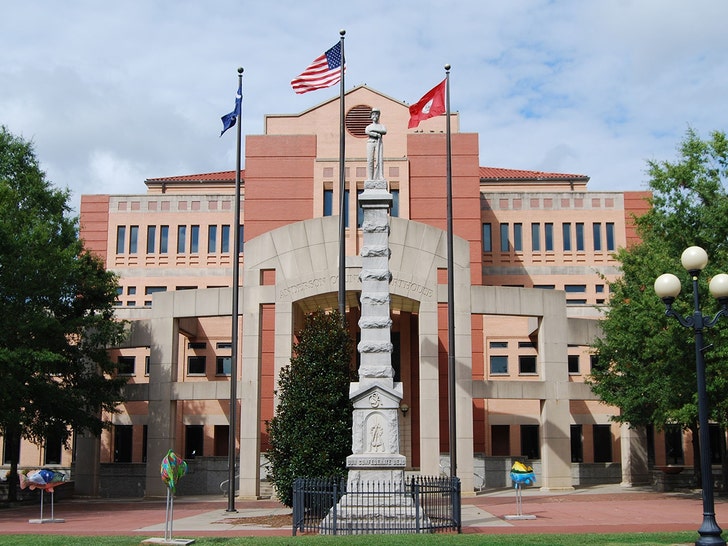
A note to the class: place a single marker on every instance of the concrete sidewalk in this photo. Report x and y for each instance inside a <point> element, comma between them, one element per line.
<point>603,509</point>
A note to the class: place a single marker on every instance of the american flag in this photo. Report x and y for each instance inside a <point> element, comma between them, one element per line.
<point>324,71</point>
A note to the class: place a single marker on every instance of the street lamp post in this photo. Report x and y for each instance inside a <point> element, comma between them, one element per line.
<point>667,287</point>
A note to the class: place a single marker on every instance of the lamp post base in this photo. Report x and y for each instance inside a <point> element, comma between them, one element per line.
<point>710,532</point>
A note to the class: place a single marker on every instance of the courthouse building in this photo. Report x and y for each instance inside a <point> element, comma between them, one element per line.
<point>532,260</point>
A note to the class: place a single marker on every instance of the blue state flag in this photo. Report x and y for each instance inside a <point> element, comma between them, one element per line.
<point>228,120</point>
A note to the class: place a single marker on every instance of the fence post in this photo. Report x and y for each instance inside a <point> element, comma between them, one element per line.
<point>456,505</point>
<point>416,500</point>
<point>334,503</point>
<point>296,505</point>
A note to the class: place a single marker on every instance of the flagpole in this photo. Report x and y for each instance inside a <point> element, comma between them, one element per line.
<point>234,340</point>
<point>450,290</point>
<point>342,184</point>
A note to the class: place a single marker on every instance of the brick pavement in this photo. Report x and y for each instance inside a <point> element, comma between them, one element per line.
<point>603,509</point>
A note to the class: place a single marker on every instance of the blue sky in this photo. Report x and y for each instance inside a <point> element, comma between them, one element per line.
<point>114,93</point>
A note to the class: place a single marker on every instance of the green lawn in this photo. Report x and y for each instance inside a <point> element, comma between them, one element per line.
<point>643,539</point>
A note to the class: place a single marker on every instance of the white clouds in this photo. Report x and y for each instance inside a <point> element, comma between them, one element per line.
<point>112,94</point>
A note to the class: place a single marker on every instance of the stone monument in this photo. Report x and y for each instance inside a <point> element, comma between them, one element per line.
<point>375,463</point>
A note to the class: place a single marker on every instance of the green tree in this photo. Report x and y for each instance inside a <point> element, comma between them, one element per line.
<point>56,313</point>
<point>310,433</point>
<point>647,360</point>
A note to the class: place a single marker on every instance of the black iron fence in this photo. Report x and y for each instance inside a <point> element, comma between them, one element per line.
<point>418,505</point>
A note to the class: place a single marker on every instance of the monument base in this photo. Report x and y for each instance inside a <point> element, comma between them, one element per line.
<point>376,500</point>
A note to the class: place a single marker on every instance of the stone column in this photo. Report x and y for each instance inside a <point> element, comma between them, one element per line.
<point>375,430</point>
<point>635,469</point>
<point>161,434</point>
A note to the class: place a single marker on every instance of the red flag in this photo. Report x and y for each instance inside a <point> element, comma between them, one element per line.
<point>323,72</point>
<point>431,105</point>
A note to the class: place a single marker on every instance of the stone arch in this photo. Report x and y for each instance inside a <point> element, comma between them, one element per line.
<point>296,266</point>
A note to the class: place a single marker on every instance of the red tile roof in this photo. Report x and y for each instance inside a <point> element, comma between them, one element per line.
<point>222,176</point>
<point>487,173</point>
<point>499,174</point>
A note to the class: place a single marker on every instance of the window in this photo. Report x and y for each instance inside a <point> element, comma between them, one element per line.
<point>224,345</point>
<point>181,239</point>
<point>536,237</point>
<point>573,363</point>
<point>54,448</point>
<point>225,239</point>
<point>123,435</point>
<point>498,344</point>
<point>579,237</point>
<point>197,345</point>
<point>574,288</point>
<point>498,364</point>
<point>594,362</point>
<point>597,233</point>
<point>120,239</point>
<point>487,238</point>
<point>163,239</point>
<point>395,203</point>
<point>149,290</point>
<point>518,237</point>
<point>328,202</point>
<point>147,363</point>
<point>211,239</point>
<point>602,443</point>
<point>125,365</point>
<point>530,446</point>
<point>500,439</point>
<point>346,208</point>
<point>223,365</point>
<point>548,230</point>
<point>151,239</point>
<point>566,232</point>
<point>359,209</point>
<point>133,239</point>
<point>673,444</point>
<point>194,441</point>
<point>196,365</point>
<point>527,364</point>
<point>545,286</point>
<point>610,236</point>
<point>241,238</point>
<point>577,444</point>
<point>194,239</point>
<point>504,237</point>
<point>221,440</point>
<point>145,442</point>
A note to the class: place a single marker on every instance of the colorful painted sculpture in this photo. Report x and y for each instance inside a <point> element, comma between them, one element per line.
<point>522,474</point>
<point>44,479</point>
<point>173,468</point>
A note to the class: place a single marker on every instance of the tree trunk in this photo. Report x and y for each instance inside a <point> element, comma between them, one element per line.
<point>12,440</point>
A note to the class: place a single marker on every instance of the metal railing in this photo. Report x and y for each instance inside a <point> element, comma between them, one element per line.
<point>419,505</point>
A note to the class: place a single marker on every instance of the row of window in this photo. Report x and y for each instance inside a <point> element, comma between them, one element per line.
<point>531,442</point>
<point>498,363</point>
<point>187,241</point>
<point>573,237</point>
<point>196,364</point>
<point>194,442</point>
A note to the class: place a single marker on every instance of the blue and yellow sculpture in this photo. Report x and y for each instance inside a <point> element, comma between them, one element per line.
<point>522,474</point>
